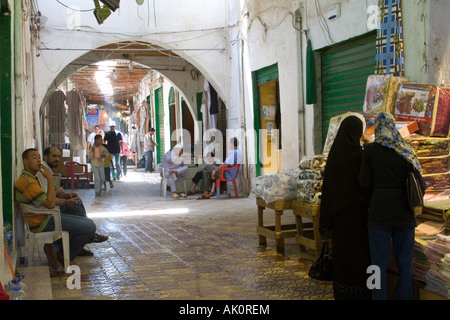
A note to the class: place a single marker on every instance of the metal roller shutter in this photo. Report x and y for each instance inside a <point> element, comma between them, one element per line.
<point>345,69</point>
<point>159,119</point>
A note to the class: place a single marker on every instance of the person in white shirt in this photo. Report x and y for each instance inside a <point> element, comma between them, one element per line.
<point>91,137</point>
<point>174,168</point>
<point>149,147</point>
<point>234,157</point>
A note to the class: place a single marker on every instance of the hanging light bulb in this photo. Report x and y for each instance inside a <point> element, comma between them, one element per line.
<point>115,74</point>
<point>140,2</point>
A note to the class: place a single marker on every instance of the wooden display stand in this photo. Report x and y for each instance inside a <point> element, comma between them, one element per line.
<point>308,234</point>
<point>278,232</point>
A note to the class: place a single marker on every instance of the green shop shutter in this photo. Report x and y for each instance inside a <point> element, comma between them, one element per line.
<point>345,69</point>
<point>159,121</point>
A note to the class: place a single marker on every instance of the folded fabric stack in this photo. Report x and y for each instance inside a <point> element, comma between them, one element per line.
<point>425,232</point>
<point>437,209</point>
<point>445,266</point>
<point>434,157</point>
<point>420,261</point>
<point>436,280</point>
<point>277,186</point>
<point>309,181</point>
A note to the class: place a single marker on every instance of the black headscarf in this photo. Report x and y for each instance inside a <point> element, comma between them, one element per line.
<point>340,182</point>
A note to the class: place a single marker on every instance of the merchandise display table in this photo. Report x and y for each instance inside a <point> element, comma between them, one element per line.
<point>308,234</point>
<point>278,232</point>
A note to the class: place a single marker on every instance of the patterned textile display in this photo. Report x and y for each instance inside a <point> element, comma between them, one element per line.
<point>441,126</point>
<point>57,119</point>
<point>76,120</point>
<point>429,147</point>
<point>390,53</point>
<point>381,93</point>
<point>416,102</point>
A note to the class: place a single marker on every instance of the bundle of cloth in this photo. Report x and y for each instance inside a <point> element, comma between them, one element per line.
<point>429,147</point>
<point>310,179</point>
<point>434,157</point>
<point>420,261</point>
<point>277,186</point>
<point>437,182</point>
<point>437,277</point>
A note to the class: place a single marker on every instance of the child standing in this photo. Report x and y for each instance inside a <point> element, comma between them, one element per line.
<point>107,164</point>
<point>97,154</point>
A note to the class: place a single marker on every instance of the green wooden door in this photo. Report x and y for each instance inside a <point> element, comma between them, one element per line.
<point>345,69</point>
<point>259,78</point>
<point>159,123</point>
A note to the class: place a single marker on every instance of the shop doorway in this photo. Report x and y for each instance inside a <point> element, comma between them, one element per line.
<point>267,120</point>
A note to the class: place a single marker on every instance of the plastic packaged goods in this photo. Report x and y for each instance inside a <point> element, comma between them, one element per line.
<point>429,147</point>
<point>309,197</point>
<point>381,93</point>
<point>416,102</point>
<point>313,162</point>
<point>441,116</point>
<point>432,165</point>
<point>278,186</point>
<point>437,182</point>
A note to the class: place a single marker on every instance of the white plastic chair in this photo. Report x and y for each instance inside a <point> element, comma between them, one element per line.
<point>57,233</point>
<point>163,185</point>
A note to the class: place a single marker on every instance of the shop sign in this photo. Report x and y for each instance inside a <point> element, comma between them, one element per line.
<point>92,116</point>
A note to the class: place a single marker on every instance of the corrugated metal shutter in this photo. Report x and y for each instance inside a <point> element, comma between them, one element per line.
<point>159,119</point>
<point>345,69</point>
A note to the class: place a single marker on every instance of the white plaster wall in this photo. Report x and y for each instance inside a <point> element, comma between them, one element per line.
<point>199,28</point>
<point>416,25</point>
<point>439,43</point>
<point>353,21</point>
<point>269,38</point>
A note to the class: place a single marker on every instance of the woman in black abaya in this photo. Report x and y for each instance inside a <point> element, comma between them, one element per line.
<point>343,213</point>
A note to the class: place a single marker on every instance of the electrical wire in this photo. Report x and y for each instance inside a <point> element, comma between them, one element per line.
<point>323,22</point>
<point>79,10</point>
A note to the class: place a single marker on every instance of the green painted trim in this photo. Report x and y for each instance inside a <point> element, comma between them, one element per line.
<point>256,121</point>
<point>6,116</point>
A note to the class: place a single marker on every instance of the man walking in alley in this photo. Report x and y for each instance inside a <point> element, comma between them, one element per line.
<point>113,142</point>
<point>29,191</point>
<point>149,147</point>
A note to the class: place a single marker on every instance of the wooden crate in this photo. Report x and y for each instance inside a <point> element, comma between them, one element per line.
<point>278,232</point>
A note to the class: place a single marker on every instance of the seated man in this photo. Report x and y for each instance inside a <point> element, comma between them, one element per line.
<point>174,168</point>
<point>29,191</point>
<point>68,203</point>
<point>234,157</point>
<point>210,164</point>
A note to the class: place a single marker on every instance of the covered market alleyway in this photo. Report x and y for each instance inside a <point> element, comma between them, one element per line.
<point>163,249</point>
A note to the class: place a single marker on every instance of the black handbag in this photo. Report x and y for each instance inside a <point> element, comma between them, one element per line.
<point>321,269</point>
<point>414,193</point>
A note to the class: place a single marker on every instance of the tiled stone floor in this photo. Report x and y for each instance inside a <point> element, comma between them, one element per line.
<point>163,249</point>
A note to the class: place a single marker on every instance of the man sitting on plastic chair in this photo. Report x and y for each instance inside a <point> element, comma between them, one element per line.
<point>234,157</point>
<point>29,191</point>
<point>174,169</point>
